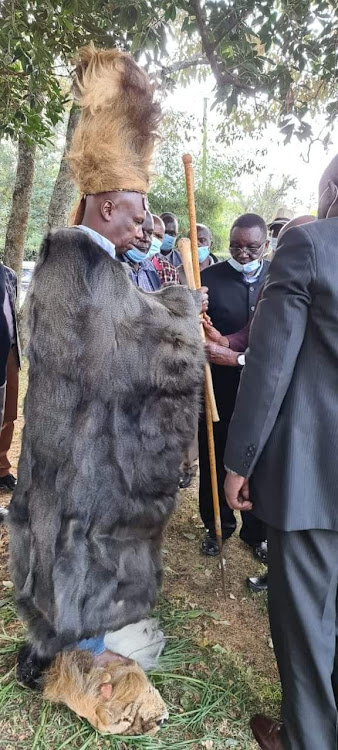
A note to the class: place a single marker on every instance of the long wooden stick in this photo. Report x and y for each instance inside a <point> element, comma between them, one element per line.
<point>209,391</point>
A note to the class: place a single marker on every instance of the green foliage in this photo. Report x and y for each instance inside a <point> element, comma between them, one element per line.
<point>217,204</point>
<point>278,54</point>
<point>269,196</point>
<point>46,169</point>
<point>37,43</point>
<point>7,179</point>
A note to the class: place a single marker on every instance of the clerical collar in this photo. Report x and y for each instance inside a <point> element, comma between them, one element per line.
<point>99,239</point>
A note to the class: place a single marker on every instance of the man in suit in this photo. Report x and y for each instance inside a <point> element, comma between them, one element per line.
<point>7,480</point>
<point>283,438</point>
<point>234,286</point>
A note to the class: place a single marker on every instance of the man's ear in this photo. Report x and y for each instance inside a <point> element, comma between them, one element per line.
<point>333,206</point>
<point>107,209</point>
<point>328,201</point>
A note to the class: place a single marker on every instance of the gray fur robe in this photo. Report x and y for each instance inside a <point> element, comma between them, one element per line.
<point>114,384</point>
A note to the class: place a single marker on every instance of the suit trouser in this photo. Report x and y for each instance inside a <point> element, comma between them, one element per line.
<point>303,605</point>
<point>253,531</point>
<point>11,412</point>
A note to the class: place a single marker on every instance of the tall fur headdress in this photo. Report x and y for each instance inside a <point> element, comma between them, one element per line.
<point>113,143</point>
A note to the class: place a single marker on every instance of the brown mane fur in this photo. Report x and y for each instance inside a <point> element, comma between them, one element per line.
<point>114,140</point>
<point>116,698</point>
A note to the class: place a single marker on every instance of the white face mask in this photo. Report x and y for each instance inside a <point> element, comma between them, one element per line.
<point>253,265</point>
<point>250,267</point>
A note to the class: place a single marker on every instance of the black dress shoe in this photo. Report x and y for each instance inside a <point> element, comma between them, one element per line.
<point>266,732</point>
<point>209,546</point>
<point>8,483</point>
<point>260,551</point>
<point>185,480</point>
<point>258,583</point>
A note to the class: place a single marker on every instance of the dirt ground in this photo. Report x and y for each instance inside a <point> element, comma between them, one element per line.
<point>238,622</point>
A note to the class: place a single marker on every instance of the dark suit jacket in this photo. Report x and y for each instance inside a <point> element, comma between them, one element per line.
<point>284,431</point>
<point>12,290</point>
<point>231,304</point>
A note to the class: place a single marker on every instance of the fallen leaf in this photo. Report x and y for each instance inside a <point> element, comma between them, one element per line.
<point>203,643</point>
<point>232,596</point>
<point>270,644</point>
<point>208,744</point>
<point>208,573</point>
<point>219,649</point>
<point>170,570</point>
<point>8,584</point>
<point>189,536</point>
<point>213,615</point>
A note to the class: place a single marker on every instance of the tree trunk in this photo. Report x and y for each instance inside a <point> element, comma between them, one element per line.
<point>64,190</point>
<point>18,219</point>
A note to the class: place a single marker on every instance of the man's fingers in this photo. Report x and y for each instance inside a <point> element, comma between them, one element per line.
<point>237,504</point>
<point>245,491</point>
<point>236,490</point>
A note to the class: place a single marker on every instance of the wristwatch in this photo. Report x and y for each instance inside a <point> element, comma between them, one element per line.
<point>241,360</point>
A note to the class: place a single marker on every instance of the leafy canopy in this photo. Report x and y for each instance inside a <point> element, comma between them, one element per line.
<point>281,55</point>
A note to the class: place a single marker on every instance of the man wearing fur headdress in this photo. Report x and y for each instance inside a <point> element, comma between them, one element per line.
<point>111,404</point>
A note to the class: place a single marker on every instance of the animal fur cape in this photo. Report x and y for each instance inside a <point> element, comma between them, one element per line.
<point>112,400</point>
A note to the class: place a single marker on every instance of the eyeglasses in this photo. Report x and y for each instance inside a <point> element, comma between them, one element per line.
<point>252,252</point>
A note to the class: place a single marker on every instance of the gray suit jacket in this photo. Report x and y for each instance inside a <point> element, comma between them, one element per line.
<point>284,431</point>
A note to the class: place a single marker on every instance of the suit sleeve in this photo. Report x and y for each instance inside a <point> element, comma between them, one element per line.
<point>239,341</point>
<point>276,337</point>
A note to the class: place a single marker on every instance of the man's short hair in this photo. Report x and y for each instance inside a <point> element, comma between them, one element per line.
<point>168,215</point>
<point>248,221</point>
<point>204,226</point>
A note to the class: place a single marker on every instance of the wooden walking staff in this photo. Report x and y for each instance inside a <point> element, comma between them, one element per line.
<point>189,258</point>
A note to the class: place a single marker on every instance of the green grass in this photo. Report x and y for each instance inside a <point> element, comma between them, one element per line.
<point>209,692</point>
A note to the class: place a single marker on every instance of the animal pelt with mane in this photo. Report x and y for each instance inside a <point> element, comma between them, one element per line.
<point>112,400</point>
<point>113,143</point>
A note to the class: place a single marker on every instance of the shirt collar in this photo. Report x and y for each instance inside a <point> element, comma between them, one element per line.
<point>99,239</point>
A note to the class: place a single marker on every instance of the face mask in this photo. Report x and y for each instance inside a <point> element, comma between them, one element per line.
<point>135,255</point>
<point>155,247</point>
<point>168,243</point>
<point>273,243</point>
<point>203,253</point>
<point>253,265</point>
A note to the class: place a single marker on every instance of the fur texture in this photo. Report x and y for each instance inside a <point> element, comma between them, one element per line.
<point>113,143</point>
<point>117,698</point>
<point>112,401</point>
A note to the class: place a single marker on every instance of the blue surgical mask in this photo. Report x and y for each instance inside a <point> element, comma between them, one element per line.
<point>203,253</point>
<point>135,255</point>
<point>155,247</point>
<point>253,265</point>
<point>168,243</point>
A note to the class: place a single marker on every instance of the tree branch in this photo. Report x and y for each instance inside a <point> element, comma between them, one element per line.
<point>167,70</point>
<point>223,77</point>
